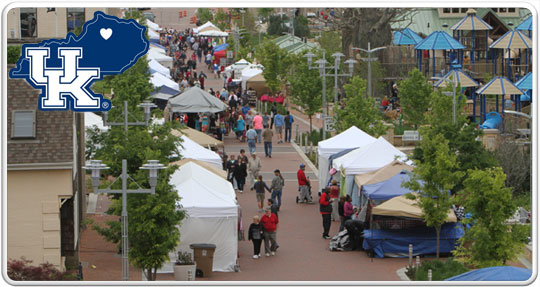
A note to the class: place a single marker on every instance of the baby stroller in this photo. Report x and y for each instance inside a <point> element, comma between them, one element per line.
<point>307,198</point>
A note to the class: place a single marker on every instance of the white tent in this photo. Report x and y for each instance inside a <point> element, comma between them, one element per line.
<point>158,50</point>
<point>157,46</point>
<point>153,25</point>
<point>152,34</point>
<point>191,149</point>
<point>207,24</point>
<point>248,74</point>
<point>92,120</point>
<point>351,138</point>
<point>369,158</point>
<point>213,33</point>
<point>163,59</point>
<point>159,80</point>
<point>236,67</point>
<point>212,215</point>
<point>157,67</point>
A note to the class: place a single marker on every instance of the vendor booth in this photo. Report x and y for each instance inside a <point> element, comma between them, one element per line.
<point>158,80</point>
<point>161,58</point>
<point>212,215</point>
<point>195,100</point>
<point>199,137</point>
<point>258,84</point>
<point>217,171</point>
<point>191,149</point>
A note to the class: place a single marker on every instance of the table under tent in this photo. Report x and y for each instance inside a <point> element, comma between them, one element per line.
<point>212,215</point>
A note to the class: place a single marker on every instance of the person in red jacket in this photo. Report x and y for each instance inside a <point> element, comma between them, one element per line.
<point>303,184</point>
<point>326,212</point>
<point>270,223</point>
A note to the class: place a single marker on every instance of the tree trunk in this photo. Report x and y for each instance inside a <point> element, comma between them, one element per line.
<point>310,126</point>
<point>438,230</point>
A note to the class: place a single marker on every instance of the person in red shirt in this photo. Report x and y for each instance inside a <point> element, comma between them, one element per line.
<point>334,195</point>
<point>385,103</point>
<point>303,184</point>
<point>270,222</point>
<point>326,212</point>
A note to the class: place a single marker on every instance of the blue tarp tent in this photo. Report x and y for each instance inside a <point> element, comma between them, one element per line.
<point>498,273</point>
<point>395,243</point>
<point>220,47</point>
<point>388,189</point>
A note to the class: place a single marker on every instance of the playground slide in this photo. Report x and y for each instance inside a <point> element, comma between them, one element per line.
<point>493,121</point>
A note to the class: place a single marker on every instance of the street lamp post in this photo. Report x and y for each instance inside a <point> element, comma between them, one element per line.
<point>369,51</point>
<point>146,105</point>
<point>322,65</point>
<point>242,11</point>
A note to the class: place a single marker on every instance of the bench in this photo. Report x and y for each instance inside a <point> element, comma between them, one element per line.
<point>411,136</point>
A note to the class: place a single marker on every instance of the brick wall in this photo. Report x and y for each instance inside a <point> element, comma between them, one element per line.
<point>54,129</point>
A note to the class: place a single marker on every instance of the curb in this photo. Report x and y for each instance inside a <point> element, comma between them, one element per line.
<point>306,159</point>
<point>401,274</point>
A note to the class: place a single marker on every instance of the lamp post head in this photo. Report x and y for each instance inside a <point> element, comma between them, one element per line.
<point>322,65</point>
<point>152,166</point>
<point>350,63</point>
<point>147,106</point>
<point>95,166</point>
<point>337,57</point>
<point>309,57</point>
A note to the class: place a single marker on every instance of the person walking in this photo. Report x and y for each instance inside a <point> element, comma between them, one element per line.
<point>243,156</point>
<point>231,166</point>
<point>273,111</point>
<point>254,167</point>
<point>279,122</point>
<point>267,138</point>
<point>240,174</point>
<point>259,186</point>
<point>255,234</point>
<point>277,187</point>
<point>303,184</point>
<point>341,211</point>
<point>251,136</point>
<point>240,127</point>
<point>334,195</point>
<point>325,209</point>
<point>288,126</point>
<point>270,222</point>
<point>249,119</point>
<point>258,126</point>
<point>266,119</point>
<point>273,207</point>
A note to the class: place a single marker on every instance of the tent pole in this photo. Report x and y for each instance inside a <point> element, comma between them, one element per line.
<point>487,44</point>
<point>472,50</point>
<point>474,106</point>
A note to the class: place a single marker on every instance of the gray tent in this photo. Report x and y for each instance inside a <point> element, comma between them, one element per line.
<point>195,100</point>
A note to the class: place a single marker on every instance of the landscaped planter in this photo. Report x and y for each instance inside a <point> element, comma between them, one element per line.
<point>398,140</point>
<point>181,272</point>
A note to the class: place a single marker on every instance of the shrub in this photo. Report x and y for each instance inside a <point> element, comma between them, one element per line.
<point>14,53</point>
<point>184,258</point>
<point>440,270</point>
<point>21,270</point>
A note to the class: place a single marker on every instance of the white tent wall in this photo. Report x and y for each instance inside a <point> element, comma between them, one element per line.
<point>324,167</point>
<point>222,231</point>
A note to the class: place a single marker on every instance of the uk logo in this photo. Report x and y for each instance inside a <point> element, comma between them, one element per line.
<point>65,69</point>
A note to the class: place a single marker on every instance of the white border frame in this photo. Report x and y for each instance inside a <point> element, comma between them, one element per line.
<point>528,4</point>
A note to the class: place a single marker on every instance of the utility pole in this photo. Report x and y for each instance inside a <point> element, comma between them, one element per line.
<point>369,60</point>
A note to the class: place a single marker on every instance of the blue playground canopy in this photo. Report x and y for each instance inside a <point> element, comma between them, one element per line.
<point>439,40</point>
<point>526,25</point>
<point>406,37</point>
<point>525,83</point>
<point>388,189</point>
<point>499,273</point>
<point>220,47</point>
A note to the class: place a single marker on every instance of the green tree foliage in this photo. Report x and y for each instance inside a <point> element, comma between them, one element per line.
<point>359,111</point>
<point>276,25</point>
<point>330,41</point>
<point>153,219</point>
<point>221,19</point>
<point>301,28</point>
<point>515,161</point>
<point>204,15</point>
<point>438,176</point>
<point>13,54</point>
<point>265,13</point>
<point>414,95</point>
<point>378,86</point>
<point>461,137</point>
<point>489,241</point>
<point>306,87</point>
<point>277,64</point>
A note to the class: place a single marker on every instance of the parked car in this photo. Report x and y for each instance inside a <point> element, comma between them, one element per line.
<point>149,15</point>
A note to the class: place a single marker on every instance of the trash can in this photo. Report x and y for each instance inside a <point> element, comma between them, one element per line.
<point>203,254</point>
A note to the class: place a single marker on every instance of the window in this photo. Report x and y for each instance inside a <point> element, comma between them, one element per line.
<point>23,124</point>
<point>495,9</point>
<point>28,22</point>
<point>464,10</point>
<point>502,10</point>
<point>455,10</point>
<point>446,10</point>
<point>511,10</point>
<point>75,19</point>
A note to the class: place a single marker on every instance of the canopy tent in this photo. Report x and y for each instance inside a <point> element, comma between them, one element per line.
<point>353,137</point>
<point>382,174</point>
<point>403,207</point>
<point>213,33</point>
<point>472,23</point>
<point>163,59</point>
<point>196,100</point>
<point>247,74</point>
<point>526,25</point>
<point>156,67</point>
<point>158,50</point>
<point>220,47</point>
<point>199,137</point>
<point>258,83</point>
<point>209,28</point>
<point>158,80</point>
<point>159,47</point>
<point>161,96</point>
<point>513,39</point>
<point>525,83</point>
<point>458,77</point>
<point>212,215</point>
<point>205,25</point>
<point>191,149</point>
<point>236,67</point>
<point>438,40</point>
<point>218,55</point>
<point>220,172</point>
<point>368,158</point>
<point>389,188</point>
<point>152,25</point>
<point>406,37</point>
<point>154,36</point>
<point>498,273</point>
<point>92,120</point>
<point>497,86</point>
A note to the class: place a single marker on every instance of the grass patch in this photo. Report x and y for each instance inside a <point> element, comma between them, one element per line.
<point>441,270</point>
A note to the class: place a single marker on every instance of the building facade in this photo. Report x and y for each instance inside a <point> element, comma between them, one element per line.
<point>46,191</point>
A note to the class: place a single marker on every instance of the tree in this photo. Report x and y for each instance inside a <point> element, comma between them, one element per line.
<point>438,177</point>
<point>359,111</point>
<point>21,270</point>
<point>301,28</point>
<point>154,219</point>
<point>276,64</point>
<point>515,161</point>
<point>414,97</point>
<point>276,25</point>
<point>306,90</point>
<point>222,19</point>
<point>330,41</point>
<point>13,53</point>
<point>204,15</point>
<point>489,241</point>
